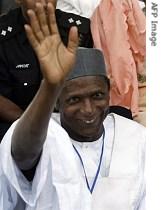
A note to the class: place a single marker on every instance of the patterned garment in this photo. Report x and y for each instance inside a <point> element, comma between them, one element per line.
<point>118,29</point>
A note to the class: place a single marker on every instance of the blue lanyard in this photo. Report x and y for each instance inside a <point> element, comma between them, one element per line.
<point>98,169</point>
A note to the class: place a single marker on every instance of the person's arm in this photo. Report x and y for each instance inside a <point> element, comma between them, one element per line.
<point>9,111</point>
<point>56,61</point>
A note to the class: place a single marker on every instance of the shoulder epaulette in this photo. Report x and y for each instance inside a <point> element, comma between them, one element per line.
<point>8,24</point>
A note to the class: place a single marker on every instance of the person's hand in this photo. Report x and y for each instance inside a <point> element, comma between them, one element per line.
<point>55,59</point>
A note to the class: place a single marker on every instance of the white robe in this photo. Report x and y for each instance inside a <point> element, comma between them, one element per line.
<point>59,183</point>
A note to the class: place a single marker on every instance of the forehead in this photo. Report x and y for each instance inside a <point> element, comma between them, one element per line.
<point>84,85</point>
<point>33,1</point>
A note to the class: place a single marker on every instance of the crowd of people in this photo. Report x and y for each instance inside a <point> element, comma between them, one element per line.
<point>68,96</point>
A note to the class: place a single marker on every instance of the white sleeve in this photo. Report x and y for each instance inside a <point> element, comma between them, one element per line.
<point>12,181</point>
<point>8,196</point>
<point>142,205</point>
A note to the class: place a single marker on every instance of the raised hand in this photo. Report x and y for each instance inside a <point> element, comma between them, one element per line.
<point>55,59</point>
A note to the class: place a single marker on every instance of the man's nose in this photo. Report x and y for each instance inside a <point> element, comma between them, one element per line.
<point>87,107</point>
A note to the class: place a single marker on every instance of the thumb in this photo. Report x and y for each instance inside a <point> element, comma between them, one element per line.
<point>73,40</point>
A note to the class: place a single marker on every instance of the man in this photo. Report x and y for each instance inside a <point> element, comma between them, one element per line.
<point>90,161</point>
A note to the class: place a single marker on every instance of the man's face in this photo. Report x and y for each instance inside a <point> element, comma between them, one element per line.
<point>83,106</point>
<point>30,4</point>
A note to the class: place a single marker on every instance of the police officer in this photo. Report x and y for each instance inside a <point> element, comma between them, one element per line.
<point>20,74</point>
<point>19,70</point>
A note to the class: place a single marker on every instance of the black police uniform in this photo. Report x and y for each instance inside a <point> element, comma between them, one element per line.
<point>6,5</point>
<point>20,74</point>
<point>65,20</point>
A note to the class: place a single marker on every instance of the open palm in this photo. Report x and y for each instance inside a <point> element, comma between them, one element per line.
<point>55,59</point>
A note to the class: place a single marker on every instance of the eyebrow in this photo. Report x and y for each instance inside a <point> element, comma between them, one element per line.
<point>78,94</point>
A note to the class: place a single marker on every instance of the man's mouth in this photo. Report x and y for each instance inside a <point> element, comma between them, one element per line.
<point>91,121</point>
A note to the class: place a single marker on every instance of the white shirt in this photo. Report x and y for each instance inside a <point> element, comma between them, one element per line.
<point>91,151</point>
<point>84,8</point>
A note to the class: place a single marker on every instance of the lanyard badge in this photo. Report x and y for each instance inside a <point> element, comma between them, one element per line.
<point>98,169</point>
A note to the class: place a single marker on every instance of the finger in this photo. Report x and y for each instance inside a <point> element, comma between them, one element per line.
<point>73,40</point>
<point>52,19</point>
<point>30,35</point>
<point>53,2</point>
<point>41,15</point>
<point>35,25</point>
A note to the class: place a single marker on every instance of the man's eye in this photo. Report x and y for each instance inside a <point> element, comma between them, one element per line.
<point>98,95</point>
<point>73,100</point>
